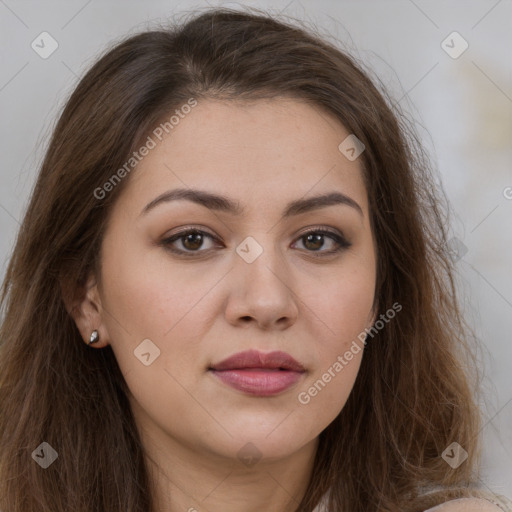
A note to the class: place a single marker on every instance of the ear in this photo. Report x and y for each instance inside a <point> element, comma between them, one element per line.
<point>84,306</point>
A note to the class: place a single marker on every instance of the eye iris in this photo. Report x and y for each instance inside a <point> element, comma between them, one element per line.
<point>195,238</point>
<point>317,240</point>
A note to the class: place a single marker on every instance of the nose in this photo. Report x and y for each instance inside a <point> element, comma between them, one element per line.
<point>262,292</point>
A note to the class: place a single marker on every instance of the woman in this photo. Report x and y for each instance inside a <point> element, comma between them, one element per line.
<point>231,291</point>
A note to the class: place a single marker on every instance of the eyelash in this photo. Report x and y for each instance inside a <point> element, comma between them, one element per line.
<point>340,240</point>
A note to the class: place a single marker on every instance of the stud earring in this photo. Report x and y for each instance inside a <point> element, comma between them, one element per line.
<point>94,337</point>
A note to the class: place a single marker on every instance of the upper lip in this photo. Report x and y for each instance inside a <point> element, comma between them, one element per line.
<point>256,359</point>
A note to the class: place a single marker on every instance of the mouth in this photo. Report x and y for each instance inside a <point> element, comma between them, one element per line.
<point>259,374</point>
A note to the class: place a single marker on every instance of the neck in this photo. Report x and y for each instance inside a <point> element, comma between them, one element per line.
<point>188,479</point>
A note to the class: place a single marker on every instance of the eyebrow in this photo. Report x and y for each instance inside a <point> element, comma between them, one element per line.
<point>224,204</point>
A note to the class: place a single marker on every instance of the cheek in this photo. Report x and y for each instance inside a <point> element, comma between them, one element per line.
<point>326,391</point>
<point>149,298</point>
<point>342,307</point>
<point>147,294</point>
<point>340,312</point>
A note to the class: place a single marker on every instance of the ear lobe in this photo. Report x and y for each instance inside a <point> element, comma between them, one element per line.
<point>84,305</point>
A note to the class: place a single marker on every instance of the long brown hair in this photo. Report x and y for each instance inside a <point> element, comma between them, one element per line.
<point>412,397</point>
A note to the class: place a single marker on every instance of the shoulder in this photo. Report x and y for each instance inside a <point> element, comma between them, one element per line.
<point>466,505</point>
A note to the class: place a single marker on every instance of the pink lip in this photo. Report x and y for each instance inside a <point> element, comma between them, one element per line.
<point>258,373</point>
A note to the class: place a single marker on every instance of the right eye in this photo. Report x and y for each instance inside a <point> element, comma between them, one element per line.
<point>191,239</point>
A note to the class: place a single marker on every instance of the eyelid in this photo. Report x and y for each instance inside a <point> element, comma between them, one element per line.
<point>321,228</point>
<point>335,234</point>
<point>182,232</point>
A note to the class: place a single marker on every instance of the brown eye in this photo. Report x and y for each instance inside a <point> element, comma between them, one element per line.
<point>314,241</point>
<point>191,241</point>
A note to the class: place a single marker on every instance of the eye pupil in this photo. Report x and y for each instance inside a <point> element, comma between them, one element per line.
<point>196,238</point>
<point>317,241</point>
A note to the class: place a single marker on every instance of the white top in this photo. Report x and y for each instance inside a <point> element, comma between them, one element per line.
<point>472,505</point>
<point>491,504</point>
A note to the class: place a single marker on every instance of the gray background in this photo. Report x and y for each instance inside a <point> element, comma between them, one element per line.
<point>462,107</point>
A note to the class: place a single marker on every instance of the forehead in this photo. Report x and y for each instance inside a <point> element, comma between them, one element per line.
<point>261,152</point>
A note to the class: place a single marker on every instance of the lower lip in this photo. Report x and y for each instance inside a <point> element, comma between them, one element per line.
<point>259,382</point>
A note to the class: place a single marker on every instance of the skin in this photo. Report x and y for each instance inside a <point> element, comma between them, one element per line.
<point>466,505</point>
<point>198,310</point>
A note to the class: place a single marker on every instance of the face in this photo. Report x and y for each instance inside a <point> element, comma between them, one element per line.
<point>187,284</point>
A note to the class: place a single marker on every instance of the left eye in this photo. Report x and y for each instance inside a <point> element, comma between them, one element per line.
<point>313,240</point>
